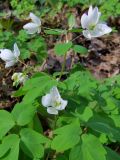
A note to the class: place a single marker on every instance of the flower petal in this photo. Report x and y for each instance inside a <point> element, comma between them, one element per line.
<point>100,30</point>
<point>93,16</point>
<point>35,19</point>
<point>63,105</point>
<point>52,110</point>
<point>87,34</point>
<point>6,55</point>
<point>31,28</point>
<point>90,10</point>
<point>16,50</point>
<point>104,28</point>
<point>55,93</point>
<point>46,100</point>
<point>9,63</point>
<point>84,21</point>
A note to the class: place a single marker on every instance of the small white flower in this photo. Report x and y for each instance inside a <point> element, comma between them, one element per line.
<point>91,24</point>
<point>34,26</point>
<point>19,78</point>
<point>53,101</point>
<point>10,57</point>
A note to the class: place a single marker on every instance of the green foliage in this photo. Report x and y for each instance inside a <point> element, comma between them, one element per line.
<point>35,46</point>
<point>71,21</point>
<point>62,48</point>
<point>111,155</point>
<point>11,144</point>
<point>89,149</point>
<point>38,47</point>
<point>32,143</point>
<point>24,113</point>
<point>55,31</point>
<point>32,88</point>
<point>22,7</point>
<point>104,125</point>
<point>81,82</point>
<point>110,8</point>
<point>80,49</point>
<point>67,137</point>
<point>80,131</point>
<point>89,124</point>
<point>6,124</point>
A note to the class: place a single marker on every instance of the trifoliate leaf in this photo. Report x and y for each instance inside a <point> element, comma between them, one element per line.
<point>89,148</point>
<point>66,137</point>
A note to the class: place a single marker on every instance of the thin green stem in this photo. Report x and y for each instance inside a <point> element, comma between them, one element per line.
<point>52,29</point>
<point>55,121</point>
<point>63,66</point>
<point>64,61</point>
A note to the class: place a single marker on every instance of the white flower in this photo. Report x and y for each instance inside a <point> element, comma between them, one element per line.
<point>34,26</point>
<point>19,78</point>
<point>10,57</point>
<point>93,27</point>
<point>53,101</point>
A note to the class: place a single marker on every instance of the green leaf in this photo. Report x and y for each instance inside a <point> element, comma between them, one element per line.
<point>76,152</point>
<point>104,125</point>
<point>36,124</point>
<point>25,53</point>
<point>38,47</point>
<point>61,157</point>
<point>32,143</point>
<point>11,142</point>
<point>66,137</point>
<point>62,48</point>
<point>85,115</point>
<point>71,21</point>
<point>76,30</point>
<point>35,91</point>
<point>6,122</point>
<point>24,113</point>
<point>23,36</point>
<point>90,148</point>
<point>55,31</point>
<point>4,148</point>
<point>116,119</point>
<point>112,155</point>
<point>81,82</point>
<point>80,49</point>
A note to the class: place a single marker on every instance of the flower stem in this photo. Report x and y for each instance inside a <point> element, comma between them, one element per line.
<point>64,61</point>
<point>23,63</point>
<point>55,121</point>
<point>76,37</point>
<point>63,66</point>
<point>54,127</point>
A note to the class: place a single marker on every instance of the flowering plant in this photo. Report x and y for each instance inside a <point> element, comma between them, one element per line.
<point>63,115</point>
